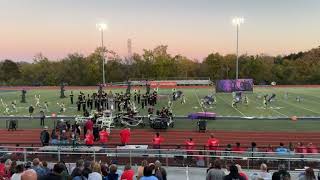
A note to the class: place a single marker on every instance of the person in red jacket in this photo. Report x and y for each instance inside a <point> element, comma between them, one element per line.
<point>89,138</point>
<point>301,148</point>
<point>213,143</point>
<point>156,141</point>
<point>312,148</point>
<point>128,173</point>
<point>88,126</point>
<point>103,134</point>
<point>125,136</point>
<point>190,146</point>
<point>238,149</point>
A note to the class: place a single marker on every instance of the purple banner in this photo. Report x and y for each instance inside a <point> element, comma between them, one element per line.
<point>231,85</point>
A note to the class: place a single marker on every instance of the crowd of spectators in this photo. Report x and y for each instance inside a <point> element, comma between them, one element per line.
<point>84,170</point>
<point>233,171</point>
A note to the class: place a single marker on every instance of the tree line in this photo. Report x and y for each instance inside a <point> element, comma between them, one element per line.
<point>77,69</point>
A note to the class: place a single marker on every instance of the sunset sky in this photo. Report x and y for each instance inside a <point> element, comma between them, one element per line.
<point>193,28</point>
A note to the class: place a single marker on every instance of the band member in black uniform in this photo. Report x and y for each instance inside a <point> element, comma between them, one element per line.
<point>78,105</point>
<point>138,96</point>
<point>71,97</point>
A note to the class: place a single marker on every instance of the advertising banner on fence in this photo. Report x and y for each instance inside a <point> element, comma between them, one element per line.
<point>162,83</point>
<point>231,85</point>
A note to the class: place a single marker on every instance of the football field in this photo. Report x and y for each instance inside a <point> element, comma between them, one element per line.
<point>284,105</point>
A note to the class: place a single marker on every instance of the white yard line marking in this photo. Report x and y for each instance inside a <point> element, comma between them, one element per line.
<point>198,100</point>
<point>232,107</point>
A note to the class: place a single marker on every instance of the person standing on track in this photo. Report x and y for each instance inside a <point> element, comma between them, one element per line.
<point>157,140</point>
<point>44,136</point>
<point>190,146</point>
<point>125,136</point>
<point>89,138</point>
<point>213,144</point>
<point>103,134</point>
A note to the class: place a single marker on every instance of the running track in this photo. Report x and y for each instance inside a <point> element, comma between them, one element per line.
<point>175,137</point>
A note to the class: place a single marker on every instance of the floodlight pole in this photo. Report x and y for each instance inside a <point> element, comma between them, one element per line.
<point>103,59</point>
<point>237,65</point>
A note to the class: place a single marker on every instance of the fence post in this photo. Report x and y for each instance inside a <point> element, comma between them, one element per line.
<point>248,163</point>
<point>167,161</point>
<point>289,165</point>
<point>25,155</point>
<point>130,157</point>
<point>59,154</point>
<point>94,155</point>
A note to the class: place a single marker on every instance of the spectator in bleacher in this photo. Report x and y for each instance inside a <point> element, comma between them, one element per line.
<point>55,174</point>
<point>128,173</point>
<point>37,167</point>
<point>61,125</point>
<point>147,174</point>
<point>263,174</point>
<point>87,169</point>
<point>104,171</point>
<point>160,170</point>
<point>238,149</point>
<point>44,136</point>
<point>234,174</point>
<point>77,171</point>
<point>64,137</point>
<point>29,174</point>
<point>13,167</point>
<point>96,172</point>
<point>157,140</point>
<point>301,148</point>
<point>242,173</point>
<point>200,160</point>
<point>144,163</point>
<point>125,136</point>
<point>17,174</point>
<point>281,174</point>
<point>215,173</point>
<point>54,136</point>
<point>312,148</point>
<point>281,150</point>
<point>65,173</point>
<point>308,175</point>
<point>45,167</point>
<point>113,175</point>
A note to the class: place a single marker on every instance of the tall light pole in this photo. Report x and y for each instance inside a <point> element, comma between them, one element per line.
<point>237,21</point>
<point>101,27</point>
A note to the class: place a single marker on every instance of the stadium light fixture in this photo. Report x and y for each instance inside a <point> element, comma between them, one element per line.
<point>237,21</point>
<point>102,27</point>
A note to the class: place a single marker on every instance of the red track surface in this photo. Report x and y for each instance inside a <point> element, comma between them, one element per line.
<point>174,137</point>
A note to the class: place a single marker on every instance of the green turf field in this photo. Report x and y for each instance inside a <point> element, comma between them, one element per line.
<point>281,107</point>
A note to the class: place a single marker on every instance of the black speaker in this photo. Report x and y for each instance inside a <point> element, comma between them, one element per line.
<point>202,124</point>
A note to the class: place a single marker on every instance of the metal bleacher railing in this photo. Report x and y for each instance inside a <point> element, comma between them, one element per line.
<point>134,154</point>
